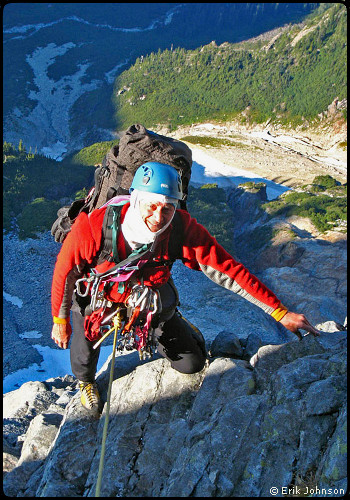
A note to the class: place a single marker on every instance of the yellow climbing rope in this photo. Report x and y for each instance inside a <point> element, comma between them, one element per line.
<point>117,326</point>
<point>95,346</point>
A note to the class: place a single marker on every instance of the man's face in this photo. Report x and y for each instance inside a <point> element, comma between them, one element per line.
<point>156,215</point>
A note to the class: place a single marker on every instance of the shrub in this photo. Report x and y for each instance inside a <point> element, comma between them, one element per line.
<point>37,216</point>
<point>325,181</point>
<point>92,155</point>
<point>320,209</point>
<point>81,194</point>
<point>215,142</point>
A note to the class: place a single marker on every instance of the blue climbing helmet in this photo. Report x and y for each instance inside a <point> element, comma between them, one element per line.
<point>155,177</point>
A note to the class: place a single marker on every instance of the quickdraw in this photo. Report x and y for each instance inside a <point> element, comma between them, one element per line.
<point>144,303</point>
<point>137,332</point>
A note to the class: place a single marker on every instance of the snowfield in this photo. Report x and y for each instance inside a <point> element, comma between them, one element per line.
<point>207,169</point>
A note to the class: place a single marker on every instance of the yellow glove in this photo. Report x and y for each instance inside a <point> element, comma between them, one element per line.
<point>61,333</point>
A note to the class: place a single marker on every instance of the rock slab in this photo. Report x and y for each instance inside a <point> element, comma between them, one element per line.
<point>237,428</point>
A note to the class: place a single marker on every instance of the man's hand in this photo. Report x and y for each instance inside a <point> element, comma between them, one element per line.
<point>61,334</point>
<point>293,321</point>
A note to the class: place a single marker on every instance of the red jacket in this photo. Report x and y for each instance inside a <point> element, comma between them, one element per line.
<point>200,251</point>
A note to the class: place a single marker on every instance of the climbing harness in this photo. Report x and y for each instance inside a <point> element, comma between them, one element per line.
<point>121,272</point>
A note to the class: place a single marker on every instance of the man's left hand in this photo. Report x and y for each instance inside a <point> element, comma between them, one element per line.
<point>293,321</point>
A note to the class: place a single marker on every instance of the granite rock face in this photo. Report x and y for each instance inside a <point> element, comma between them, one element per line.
<point>317,284</point>
<point>238,428</point>
<point>306,269</point>
<point>267,411</point>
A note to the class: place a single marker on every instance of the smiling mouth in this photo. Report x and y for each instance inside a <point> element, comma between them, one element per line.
<point>153,227</point>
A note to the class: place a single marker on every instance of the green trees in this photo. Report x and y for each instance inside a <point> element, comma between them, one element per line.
<point>322,209</point>
<point>8,149</point>
<point>33,185</point>
<point>91,155</point>
<point>21,147</point>
<point>286,82</point>
<point>37,216</point>
<point>323,182</point>
<point>208,205</point>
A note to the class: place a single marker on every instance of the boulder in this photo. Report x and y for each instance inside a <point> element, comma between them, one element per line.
<point>245,201</point>
<point>316,286</point>
<point>34,408</point>
<point>226,344</point>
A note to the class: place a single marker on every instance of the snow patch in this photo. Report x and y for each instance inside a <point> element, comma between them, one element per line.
<point>56,151</point>
<point>14,300</point>
<point>33,28</point>
<point>206,169</point>
<point>56,364</point>
<point>33,334</point>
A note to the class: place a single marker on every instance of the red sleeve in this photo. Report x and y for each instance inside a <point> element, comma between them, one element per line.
<point>79,247</point>
<point>202,252</point>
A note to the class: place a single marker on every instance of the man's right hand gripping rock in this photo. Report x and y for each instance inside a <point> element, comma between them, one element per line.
<point>61,333</point>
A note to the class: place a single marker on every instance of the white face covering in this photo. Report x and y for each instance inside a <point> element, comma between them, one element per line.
<point>134,228</point>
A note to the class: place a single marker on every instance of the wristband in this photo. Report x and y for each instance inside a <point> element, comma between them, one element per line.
<point>279,313</point>
<point>60,321</point>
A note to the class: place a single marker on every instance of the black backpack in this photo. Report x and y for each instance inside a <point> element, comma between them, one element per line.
<point>114,177</point>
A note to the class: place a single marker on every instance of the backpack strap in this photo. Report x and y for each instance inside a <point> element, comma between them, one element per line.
<point>110,228</point>
<point>100,173</point>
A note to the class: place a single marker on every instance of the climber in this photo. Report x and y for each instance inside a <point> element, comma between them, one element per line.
<point>150,217</point>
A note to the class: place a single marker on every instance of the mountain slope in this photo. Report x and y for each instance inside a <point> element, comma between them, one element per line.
<point>291,76</point>
<point>60,60</point>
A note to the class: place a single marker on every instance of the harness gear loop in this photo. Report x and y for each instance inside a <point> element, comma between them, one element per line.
<point>117,324</point>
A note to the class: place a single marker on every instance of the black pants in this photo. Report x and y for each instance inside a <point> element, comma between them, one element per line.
<point>178,341</point>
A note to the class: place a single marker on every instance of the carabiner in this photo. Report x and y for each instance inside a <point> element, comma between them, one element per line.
<point>94,292</point>
<point>77,287</point>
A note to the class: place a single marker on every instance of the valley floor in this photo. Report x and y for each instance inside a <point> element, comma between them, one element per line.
<point>291,158</point>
